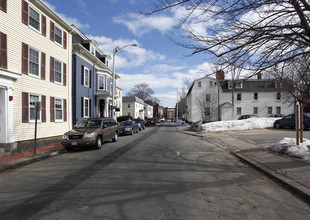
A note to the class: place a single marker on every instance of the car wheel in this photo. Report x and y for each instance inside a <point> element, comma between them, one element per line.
<point>98,143</point>
<point>277,125</point>
<point>115,137</point>
<point>137,131</point>
<point>304,126</point>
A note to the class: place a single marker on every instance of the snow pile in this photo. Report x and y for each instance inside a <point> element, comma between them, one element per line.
<point>247,124</point>
<point>288,147</point>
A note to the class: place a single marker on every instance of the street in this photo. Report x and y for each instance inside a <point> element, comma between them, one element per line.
<point>158,173</point>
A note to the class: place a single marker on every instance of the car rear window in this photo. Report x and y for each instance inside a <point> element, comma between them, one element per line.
<point>89,124</point>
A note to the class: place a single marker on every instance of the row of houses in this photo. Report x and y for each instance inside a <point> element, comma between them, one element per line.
<point>213,99</point>
<point>45,60</point>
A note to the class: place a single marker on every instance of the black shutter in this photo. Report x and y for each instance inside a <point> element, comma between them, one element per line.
<point>90,78</point>
<point>82,74</point>
<point>90,108</point>
<point>82,107</point>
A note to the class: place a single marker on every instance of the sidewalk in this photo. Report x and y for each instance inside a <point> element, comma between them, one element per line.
<point>20,159</point>
<point>290,172</point>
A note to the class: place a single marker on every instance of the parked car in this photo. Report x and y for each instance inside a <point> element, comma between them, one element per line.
<point>247,116</point>
<point>140,123</point>
<point>128,127</point>
<point>91,132</point>
<point>277,115</point>
<point>290,121</point>
<point>150,121</point>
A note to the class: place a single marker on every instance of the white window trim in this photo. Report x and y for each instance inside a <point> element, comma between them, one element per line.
<point>84,107</point>
<point>62,36</point>
<point>33,120</point>
<point>61,69</point>
<point>40,19</point>
<point>86,82</point>
<point>103,81</point>
<point>39,69</point>
<point>62,111</point>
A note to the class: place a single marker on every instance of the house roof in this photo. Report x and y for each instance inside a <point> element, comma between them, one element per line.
<point>258,85</point>
<point>132,99</point>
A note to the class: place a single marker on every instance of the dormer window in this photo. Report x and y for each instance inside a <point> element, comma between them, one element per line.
<point>92,50</point>
<point>238,85</point>
<point>278,85</point>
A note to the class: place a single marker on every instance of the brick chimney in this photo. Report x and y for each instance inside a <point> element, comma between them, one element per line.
<point>220,74</point>
<point>259,76</point>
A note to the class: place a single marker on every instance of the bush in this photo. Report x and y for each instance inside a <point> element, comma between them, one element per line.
<point>124,118</point>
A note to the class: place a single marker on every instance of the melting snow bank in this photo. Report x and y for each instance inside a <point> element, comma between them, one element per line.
<point>247,124</point>
<point>288,147</point>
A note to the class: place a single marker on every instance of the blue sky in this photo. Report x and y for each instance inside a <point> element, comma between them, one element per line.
<point>156,61</point>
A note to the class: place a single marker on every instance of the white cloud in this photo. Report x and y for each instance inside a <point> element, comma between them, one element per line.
<point>129,56</point>
<point>140,24</point>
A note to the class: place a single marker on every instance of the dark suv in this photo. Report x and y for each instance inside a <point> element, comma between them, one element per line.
<point>91,132</point>
<point>150,121</point>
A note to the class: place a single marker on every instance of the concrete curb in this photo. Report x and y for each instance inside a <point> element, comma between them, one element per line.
<point>299,189</point>
<point>28,160</point>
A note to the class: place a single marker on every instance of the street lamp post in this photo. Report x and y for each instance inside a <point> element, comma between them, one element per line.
<point>116,49</point>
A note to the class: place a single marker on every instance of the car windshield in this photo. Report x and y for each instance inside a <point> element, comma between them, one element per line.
<point>150,119</point>
<point>89,124</point>
<point>137,120</point>
<point>126,123</point>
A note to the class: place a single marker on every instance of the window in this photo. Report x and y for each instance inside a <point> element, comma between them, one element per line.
<point>58,35</point>
<point>86,77</point>
<point>208,97</point>
<point>58,72</point>
<point>34,62</point>
<point>34,19</point>
<point>33,99</point>
<point>278,85</point>
<point>255,111</point>
<point>211,83</point>
<point>92,50</point>
<point>58,109</point>
<point>255,96</point>
<point>239,85</point>
<point>3,5</point>
<point>278,96</point>
<point>101,82</point>
<point>128,105</point>
<point>269,110</point>
<point>239,111</point>
<point>108,84</point>
<point>238,96</point>
<point>86,108</point>
<point>278,110</point>
<point>199,84</point>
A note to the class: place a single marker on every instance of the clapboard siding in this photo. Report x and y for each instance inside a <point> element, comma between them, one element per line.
<point>19,33</point>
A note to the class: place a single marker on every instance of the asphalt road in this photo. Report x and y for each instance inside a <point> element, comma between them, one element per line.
<point>158,173</point>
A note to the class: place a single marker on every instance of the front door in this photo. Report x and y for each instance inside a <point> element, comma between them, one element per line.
<point>101,108</point>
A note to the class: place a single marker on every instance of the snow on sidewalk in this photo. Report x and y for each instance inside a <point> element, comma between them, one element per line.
<point>285,146</point>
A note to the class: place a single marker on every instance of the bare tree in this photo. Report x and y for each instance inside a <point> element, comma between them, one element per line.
<point>207,105</point>
<point>295,78</point>
<point>142,91</point>
<point>256,35</point>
